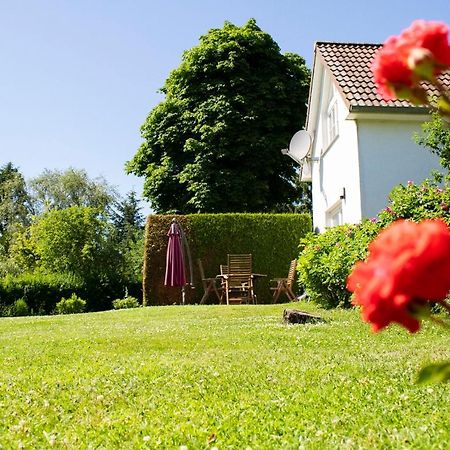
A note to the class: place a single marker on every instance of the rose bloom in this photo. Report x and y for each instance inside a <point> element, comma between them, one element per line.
<point>420,52</point>
<point>408,264</point>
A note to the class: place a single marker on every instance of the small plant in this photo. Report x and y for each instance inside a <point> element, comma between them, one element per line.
<point>72,305</point>
<point>19,308</point>
<point>126,302</point>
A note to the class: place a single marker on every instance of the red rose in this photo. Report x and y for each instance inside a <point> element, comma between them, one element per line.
<point>408,263</point>
<point>420,52</point>
<point>431,36</point>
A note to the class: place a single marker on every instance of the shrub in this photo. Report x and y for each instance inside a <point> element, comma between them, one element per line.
<point>124,303</point>
<point>18,308</point>
<point>41,291</point>
<point>328,258</point>
<point>72,305</point>
<point>428,200</point>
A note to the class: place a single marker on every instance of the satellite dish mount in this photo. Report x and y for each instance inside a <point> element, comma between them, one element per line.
<point>299,146</point>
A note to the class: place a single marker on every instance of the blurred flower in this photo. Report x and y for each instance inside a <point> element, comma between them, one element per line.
<point>408,265</point>
<point>420,52</point>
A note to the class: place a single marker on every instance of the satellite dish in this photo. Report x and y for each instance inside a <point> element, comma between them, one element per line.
<point>299,145</point>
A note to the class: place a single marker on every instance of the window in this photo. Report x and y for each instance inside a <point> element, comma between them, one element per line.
<point>334,216</point>
<point>332,122</point>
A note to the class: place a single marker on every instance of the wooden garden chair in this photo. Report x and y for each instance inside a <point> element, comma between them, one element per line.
<point>285,285</point>
<point>209,285</point>
<point>238,280</point>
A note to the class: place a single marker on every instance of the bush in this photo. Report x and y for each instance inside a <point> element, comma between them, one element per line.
<point>18,308</point>
<point>428,200</point>
<point>328,258</point>
<point>124,303</point>
<point>40,291</point>
<point>72,305</point>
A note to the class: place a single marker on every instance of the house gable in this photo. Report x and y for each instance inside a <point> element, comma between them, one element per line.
<point>363,147</point>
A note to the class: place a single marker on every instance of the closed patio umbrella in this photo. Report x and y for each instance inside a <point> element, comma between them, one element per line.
<point>175,259</point>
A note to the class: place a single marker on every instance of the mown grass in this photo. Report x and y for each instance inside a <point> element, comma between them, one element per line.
<point>217,376</point>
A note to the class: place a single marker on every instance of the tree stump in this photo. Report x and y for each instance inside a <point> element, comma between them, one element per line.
<point>296,316</point>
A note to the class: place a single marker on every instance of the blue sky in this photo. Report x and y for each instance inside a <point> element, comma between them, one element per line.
<point>78,77</point>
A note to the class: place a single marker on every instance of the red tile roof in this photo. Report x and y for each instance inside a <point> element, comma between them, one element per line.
<point>350,65</point>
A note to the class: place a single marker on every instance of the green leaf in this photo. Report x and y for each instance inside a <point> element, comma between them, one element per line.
<point>434,373</point>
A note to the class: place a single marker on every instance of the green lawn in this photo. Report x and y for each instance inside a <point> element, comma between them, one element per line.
<point>217,376</point>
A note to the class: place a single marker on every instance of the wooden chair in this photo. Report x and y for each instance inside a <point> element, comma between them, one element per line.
<point>209,285</point>
<point>238,280</point>
<point>223,272</point>
<point>285,285</point>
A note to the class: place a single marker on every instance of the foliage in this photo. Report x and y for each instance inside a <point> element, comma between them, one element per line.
<point>327,259</point>
<point>436,136</point>
<point>435,373</point>
<point>427,200</point>
<point>14,204</point>
<point>54,189</point>
<point>125,303</point>
<point>213,144</point>
<point>40,291</point>
<point>217,376</point>
<point>129,237</point>
<point>271,238</point>
<point>71,305</point>
<point>73,240</point>
<point>76,240</point>
<point>17,309</point>
<point>127,218</point>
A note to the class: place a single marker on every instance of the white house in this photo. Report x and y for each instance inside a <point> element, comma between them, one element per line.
<point>361,145</point>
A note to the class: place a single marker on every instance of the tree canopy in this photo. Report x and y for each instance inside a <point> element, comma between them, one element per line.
<point>436,137</point>
<point>14,203</point>
<point>213,144</point>
<point>55,189</point>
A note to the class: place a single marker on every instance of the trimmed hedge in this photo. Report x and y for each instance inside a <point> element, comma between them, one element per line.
<point>40,291</point>
<point>273,240</point>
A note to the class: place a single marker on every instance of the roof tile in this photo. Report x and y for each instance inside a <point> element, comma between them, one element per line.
<point>350,65</point>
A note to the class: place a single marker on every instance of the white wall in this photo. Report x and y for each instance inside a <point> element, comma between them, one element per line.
<point>388,156</point>
<point>338,168</point>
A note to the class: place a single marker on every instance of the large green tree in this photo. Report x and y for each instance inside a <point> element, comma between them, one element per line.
<point>56,189</point>
<point>213,144</point>
<point>14,204</point>
<point>72,240</point>
<point>127,218</point>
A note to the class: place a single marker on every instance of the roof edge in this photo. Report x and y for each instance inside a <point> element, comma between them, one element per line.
<point>389,109</point>
<point>348,43</point>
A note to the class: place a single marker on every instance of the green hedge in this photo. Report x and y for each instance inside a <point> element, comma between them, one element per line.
<point>273,240</point>
<point>40,291</point>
